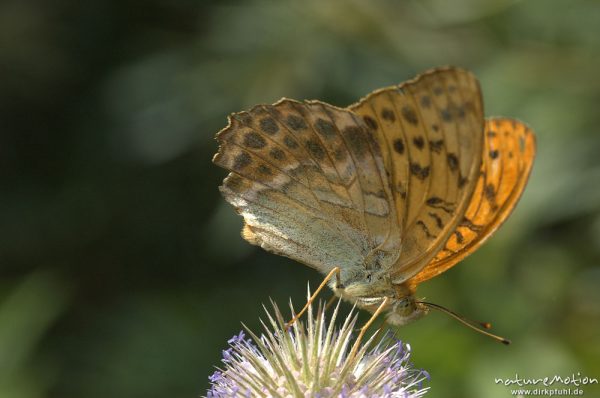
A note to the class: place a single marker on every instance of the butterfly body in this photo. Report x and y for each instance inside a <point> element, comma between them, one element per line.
<point>368,293</point>
<point>392,190</point>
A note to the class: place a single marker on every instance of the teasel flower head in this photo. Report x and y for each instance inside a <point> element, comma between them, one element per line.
<point>315,359</point>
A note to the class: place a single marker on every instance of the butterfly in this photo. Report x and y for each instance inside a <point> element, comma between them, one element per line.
<point>386,193</point>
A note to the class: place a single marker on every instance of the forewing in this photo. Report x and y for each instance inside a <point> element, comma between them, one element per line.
<point>431,130</point>
<point>507,160</point>
<point>309,180</point>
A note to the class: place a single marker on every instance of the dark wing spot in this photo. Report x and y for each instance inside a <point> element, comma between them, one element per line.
<point>425,101</point>
<point>434,200</point>
<point>491,133</point>
<point>419,142</point>
<point>340,154</point>
<point>372,140</point>
<point>420,172</point>
<point>242,160</point>
<point>370,122</point>
<point>356,139</point>
<point>325,128</point>
<point>425,229</point>
<point>399,146</point>
<point>469,224</point>
<point>437,90</point>
<point>446,115</point>
<point>264,169</point>
<point>410,115</point>
<point>460,111</point>
<point>315,149</point>
<point>234,182</point>
<point>290,142</point>
<point>245,118</point>
<point>494,154</point>
<point>269,126</point>
<point>452,161</point>
<point>399,187</point>
<point>437,219</point>
<point>435,127</point>
<point>296,122</point>
<point>459,237</point>
<point>436,146</point>
<point>388,115</point>
<point>254,140</point>
<point>439,203</point>
<point>462,181</point>
<point>490,193</point>
<point>277,154</point>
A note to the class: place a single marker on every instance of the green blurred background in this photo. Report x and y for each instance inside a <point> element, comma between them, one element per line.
<point>123,272</point>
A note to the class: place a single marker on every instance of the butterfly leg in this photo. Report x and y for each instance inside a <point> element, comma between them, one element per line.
<point>334,272</point>
<point>363,330</point>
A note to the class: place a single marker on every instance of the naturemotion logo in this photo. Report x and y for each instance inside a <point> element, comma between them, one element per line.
<point>572,380</point>
<point>555,385</point>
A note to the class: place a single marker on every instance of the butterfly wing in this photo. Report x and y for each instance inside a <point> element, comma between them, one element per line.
<point>507,160</point>
<point>431,134</point>
<point>309,180</point>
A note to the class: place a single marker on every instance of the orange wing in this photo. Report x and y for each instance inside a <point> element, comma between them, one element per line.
<point>430,130</point>
<point>508,155</point>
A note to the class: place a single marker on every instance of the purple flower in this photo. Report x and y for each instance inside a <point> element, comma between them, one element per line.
<point>239,338</point>
<point>313,359</point>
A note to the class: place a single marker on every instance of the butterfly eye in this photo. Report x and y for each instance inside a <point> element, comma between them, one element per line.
<point>369,277</point>
<point>403,303</point>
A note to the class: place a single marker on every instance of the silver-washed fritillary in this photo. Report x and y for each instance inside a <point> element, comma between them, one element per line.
<point>386,193</point>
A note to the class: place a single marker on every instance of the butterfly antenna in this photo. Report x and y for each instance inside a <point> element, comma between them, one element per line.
<point>480,325</point>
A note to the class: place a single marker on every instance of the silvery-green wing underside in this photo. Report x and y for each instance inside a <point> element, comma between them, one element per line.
<point>310,182</point>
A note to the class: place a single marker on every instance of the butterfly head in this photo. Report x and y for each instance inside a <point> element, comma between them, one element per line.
<point>405,310</point>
